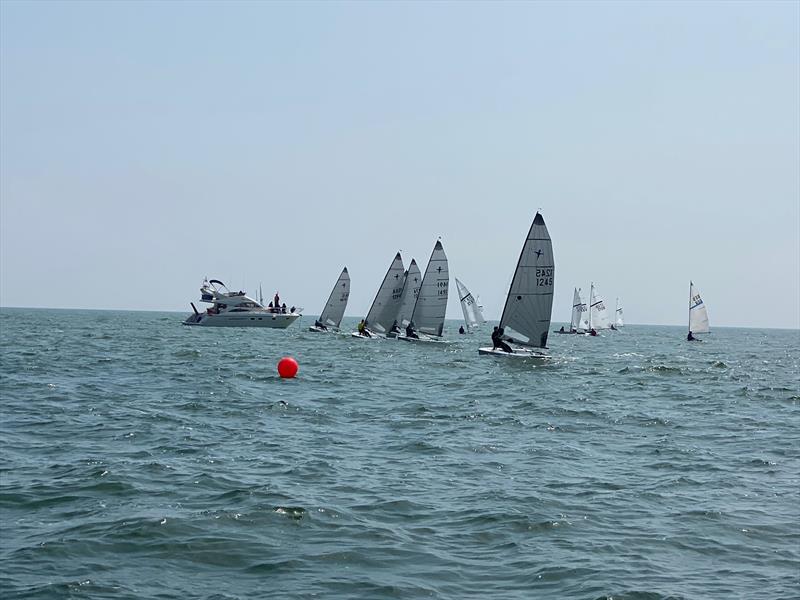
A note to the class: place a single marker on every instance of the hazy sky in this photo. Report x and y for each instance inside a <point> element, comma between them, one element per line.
<point>146,145</point>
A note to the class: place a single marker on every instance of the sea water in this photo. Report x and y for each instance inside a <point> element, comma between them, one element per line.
<point>144,459</point>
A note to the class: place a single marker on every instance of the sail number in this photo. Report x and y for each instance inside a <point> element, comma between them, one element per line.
<point>544,276</point>
<point>441,287</point>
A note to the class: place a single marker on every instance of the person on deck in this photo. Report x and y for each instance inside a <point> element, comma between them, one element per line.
<point>691,338</point>
<point>410,331</point>
<point>277,300</point>
<point>362,329</point>
<point>395,327</point>
<point>461,330</point>
<point>497,340</point>
<point>318,324</point>
<point>562,329</point>
<point>593,331</point>
<point>283,308</point>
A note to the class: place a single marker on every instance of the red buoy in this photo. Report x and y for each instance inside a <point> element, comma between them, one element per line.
<point>287,367</point>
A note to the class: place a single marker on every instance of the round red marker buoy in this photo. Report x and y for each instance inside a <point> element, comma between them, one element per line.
<point>287,367</point>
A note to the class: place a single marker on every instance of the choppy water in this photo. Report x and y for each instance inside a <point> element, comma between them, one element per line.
<point>143,459</point>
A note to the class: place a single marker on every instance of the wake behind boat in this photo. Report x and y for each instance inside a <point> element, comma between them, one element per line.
<point>525,322</point>
<point>236,309</point>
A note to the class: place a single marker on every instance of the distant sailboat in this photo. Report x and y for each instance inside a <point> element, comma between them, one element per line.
<point>698,315</point>
<point>408,299</point>
<point>598,315</point>
<point>427,318</point>
<point>337,302</point>
<point>529,305</point>
<point>576,321</point>
<point>473,314</point>
<point>618,320</point>
<point>384,307</point>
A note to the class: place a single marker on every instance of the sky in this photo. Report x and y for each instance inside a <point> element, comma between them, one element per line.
<point>147,145</point>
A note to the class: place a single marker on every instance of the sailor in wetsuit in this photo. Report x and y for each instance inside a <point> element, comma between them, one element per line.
<point>395,328</point>
<point>691,338</point>
<point>497,340</point>
<point>410,331</point>
<point>318,324</point>
<point>362,329</point>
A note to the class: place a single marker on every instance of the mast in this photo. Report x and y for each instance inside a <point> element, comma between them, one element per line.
<point>690,305</point>
<point>591,297</point>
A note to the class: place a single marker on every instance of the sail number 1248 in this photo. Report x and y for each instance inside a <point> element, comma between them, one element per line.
<point>544,276</point>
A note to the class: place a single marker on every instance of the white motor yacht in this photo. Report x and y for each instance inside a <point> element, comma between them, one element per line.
<point>236,309</point>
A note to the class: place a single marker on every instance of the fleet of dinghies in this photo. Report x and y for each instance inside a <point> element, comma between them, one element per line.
<point>411,307</point>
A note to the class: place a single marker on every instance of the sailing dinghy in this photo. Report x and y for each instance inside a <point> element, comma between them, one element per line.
<point>698,315</point>
<point>526,315</point>
<point>333,312</point>
<point>618,320</point>
<point>598,315</point>
<point>578,308</point>
<point>473,314</point>
<point>384,307</point>
<point>409,298</point>
<point>427,318</point>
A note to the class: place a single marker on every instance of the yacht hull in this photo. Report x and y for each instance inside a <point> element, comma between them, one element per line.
<point>269,321</point>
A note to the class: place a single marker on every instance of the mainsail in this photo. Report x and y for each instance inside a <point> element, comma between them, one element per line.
<point>578,321</point>
<point>529,305</point>
<point>698,315</point>
<point>431,304</point>
<point>618,320</point>
<point>384,308</point>
<point>410,292</point>
<point>473,315</point>
<point>598,315</point>
<point>334,309</point>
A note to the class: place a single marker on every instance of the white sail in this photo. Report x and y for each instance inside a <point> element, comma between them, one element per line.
<point>698,315</point>
<point>384,308</point>
<point>598,315</point>
<point>431,304</point>
<point>529,305</point>
<point>410,292</point>
<point>578,320</point>
<point>334,309</point>
<point>472,313</point>
<point>618,320</point>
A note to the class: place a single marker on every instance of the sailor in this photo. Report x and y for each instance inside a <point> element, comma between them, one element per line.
<point>395,327</point>
<point>461,330</point>
<point>593,331</point>
<point>410,331</point>
<point>277,300</point>
<point>362,328</point>
<point>561,330</point>
<point>497,340</point>
<point>318,324</point>
<point>690,337</point>
<point>283,308</point>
